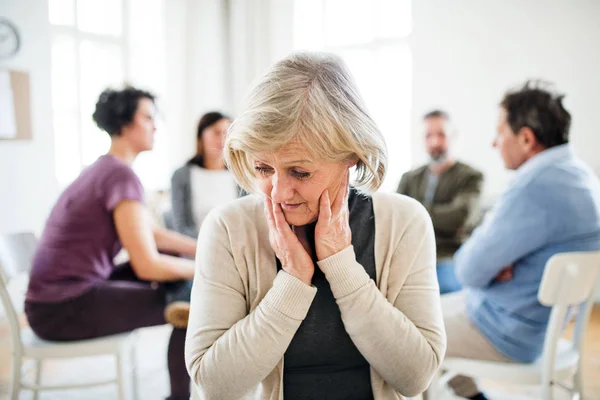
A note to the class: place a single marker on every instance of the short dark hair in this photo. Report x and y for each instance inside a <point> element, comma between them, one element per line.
<point>116,108</point>
<point>436,114</point>
<point>208,119</point>
<point>533,105</point>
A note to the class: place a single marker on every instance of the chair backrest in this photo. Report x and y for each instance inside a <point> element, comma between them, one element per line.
<point>569,280</point>
<point>16,254</point>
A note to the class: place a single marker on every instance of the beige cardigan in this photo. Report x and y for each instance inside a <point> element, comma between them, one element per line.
<point>244,313</point>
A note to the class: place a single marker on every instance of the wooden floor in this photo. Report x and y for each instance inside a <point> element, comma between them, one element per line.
<point>154,383</point>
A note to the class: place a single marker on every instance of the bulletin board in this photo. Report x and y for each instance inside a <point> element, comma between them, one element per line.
<point>15,105</point>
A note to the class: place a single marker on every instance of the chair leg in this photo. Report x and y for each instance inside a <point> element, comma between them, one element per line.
<point>134,374</point>
<point>578,385</point>
<point>37,377</point>
<point>120,386</point>
<point>547,391</point>
<point>15,386</point>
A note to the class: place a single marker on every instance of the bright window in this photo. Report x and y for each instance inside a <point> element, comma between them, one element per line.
<point>95,45</point>
<point>372,37</point>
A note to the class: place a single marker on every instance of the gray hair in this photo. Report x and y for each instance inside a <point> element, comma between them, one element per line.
<point>312,99</point>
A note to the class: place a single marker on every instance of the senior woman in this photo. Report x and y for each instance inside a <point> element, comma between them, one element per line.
<point>314,287</point>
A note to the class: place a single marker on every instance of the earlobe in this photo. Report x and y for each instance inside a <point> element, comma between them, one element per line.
<point>352,163</point>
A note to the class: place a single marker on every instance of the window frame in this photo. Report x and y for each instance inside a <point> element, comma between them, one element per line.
<point>374,45</point>
<point>79,36</point>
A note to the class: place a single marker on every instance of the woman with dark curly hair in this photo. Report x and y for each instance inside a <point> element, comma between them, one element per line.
<point>76,291</point>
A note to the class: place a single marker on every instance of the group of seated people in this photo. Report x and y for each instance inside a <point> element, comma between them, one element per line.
<point>315,284</point>
<point>489,282</point>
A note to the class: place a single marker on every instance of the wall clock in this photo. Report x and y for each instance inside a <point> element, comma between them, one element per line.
<point>9,39</point>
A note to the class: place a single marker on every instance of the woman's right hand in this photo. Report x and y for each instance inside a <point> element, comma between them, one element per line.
<point>288,249</point>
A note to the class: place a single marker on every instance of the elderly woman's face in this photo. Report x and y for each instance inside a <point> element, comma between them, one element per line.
<point>291,179</point>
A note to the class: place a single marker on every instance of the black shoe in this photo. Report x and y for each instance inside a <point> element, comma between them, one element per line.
<point>478,396</point>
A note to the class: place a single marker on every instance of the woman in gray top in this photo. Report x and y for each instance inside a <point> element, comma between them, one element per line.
<point>203,182</point>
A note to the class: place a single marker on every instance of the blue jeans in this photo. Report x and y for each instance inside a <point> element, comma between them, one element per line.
<point>447,277</point>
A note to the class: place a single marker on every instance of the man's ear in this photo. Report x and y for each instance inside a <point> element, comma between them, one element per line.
<point>527,138</point>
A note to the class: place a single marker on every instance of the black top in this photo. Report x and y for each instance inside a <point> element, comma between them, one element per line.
<point>322,362</point>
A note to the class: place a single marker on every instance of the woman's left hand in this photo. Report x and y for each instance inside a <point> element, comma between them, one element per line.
<point>332,232</point>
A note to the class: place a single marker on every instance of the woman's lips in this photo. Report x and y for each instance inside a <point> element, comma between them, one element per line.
<point>290,207</point>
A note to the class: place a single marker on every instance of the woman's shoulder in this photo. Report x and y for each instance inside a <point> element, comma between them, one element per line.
<point>397,202</point>
<point>244,208</point>
<point>181,173</point>
<point>107,171</point>
<point>398,207</point>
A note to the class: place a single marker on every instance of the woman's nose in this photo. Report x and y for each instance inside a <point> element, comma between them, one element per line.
<point>281,190</point>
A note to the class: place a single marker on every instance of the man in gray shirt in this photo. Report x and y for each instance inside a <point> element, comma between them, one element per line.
<point>449,190</point>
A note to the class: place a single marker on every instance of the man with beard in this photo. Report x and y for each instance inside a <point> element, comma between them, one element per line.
<point>449,190</point>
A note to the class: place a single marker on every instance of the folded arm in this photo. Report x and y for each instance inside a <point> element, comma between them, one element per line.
<point>517,226</point>
<point>168,241</point>
<point>448,218</point>
<point>138,238</point>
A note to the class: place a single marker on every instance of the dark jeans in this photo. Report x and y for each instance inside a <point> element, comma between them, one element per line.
<point>447,279</point>
<point>120,304</point>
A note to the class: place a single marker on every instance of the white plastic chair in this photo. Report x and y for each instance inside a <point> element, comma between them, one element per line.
<point>16,252</point>
<point>569,280</point>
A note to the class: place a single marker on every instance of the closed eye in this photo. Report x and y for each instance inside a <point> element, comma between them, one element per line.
<point>263,170</point>
<point>301,175</point>
<point>266,171</point>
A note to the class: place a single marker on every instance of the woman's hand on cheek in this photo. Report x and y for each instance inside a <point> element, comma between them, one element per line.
<point>288,249</point>
<point>332,232</point>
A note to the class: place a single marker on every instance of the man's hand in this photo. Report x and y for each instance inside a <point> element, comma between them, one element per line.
<point>506,274</point>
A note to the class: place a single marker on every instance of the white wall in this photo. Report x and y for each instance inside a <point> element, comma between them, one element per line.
<point>468,52</point>
<point>260,33</point>
<point>207,69</point>
<point>228,44</point>
<point>28,185</point>
<point>176,106</point>
<point>198,69</point>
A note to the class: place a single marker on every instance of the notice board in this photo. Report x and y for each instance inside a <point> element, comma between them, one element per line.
<point>15,105</point>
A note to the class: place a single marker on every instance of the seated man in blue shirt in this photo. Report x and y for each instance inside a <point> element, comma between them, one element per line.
<point>551,206</point>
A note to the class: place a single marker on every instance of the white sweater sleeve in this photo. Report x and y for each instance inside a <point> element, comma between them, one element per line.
<point>405,341</point>
<point>229,351</point>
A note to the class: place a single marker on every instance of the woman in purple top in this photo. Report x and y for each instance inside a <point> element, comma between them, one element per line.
<point>75,290</point>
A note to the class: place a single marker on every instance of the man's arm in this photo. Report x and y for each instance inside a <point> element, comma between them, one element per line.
<point>450,217</point>
<point>518,225</point>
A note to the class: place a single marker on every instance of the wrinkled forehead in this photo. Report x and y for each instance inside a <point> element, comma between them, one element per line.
<point>291,153</point>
